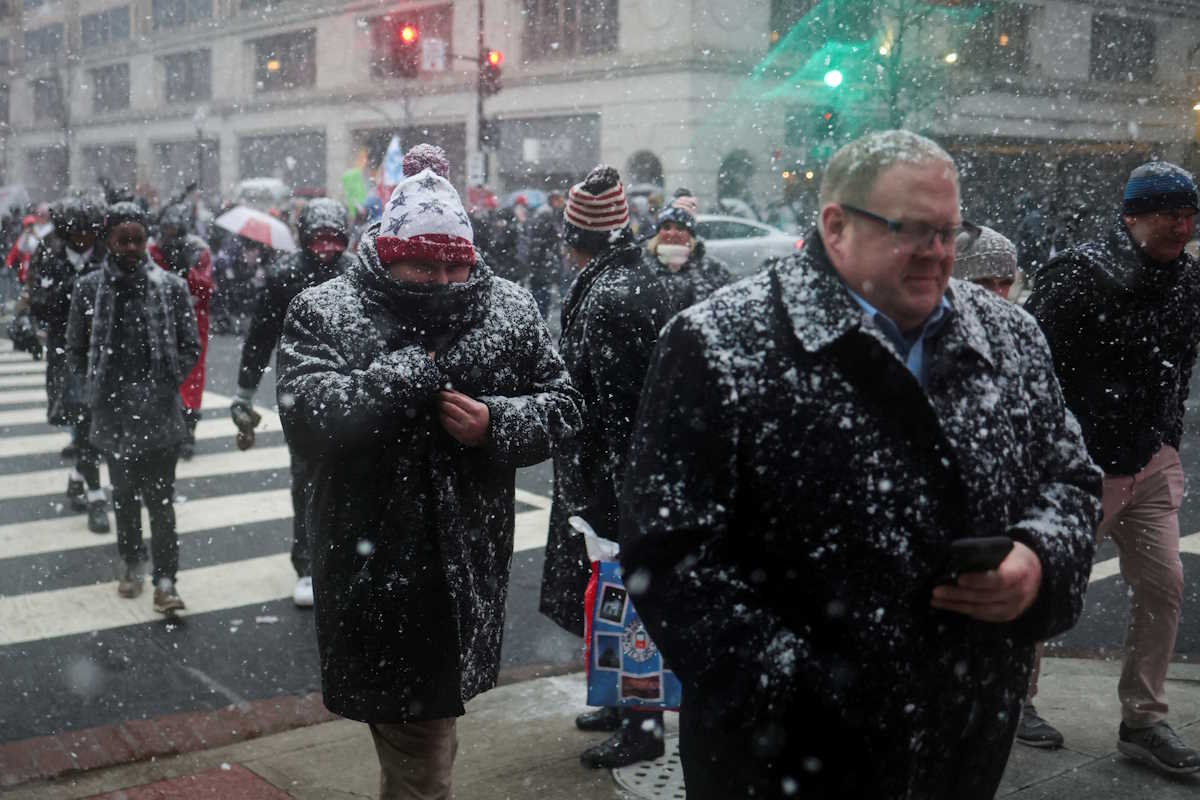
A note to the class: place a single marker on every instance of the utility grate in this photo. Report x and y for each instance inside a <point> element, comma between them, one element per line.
<point>660,779</point>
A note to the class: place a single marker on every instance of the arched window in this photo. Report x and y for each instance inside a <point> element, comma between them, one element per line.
<point>733,180</point>
<point>644,167</point>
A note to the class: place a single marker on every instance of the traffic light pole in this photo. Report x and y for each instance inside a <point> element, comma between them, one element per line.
<point>479,121</point>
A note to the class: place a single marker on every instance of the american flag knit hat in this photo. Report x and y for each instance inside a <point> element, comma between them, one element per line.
<point>424,220</point>
<point>596,211</point>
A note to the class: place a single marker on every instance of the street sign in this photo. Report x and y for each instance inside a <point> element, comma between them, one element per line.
<point>433,55</point>
<point>476,169</point>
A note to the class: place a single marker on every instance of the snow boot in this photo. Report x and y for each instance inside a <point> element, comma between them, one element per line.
<point>601,719</point>
<point>640,738</point>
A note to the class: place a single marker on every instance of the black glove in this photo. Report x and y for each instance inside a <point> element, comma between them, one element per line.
<point>24,337</point>
<point>246,419</point>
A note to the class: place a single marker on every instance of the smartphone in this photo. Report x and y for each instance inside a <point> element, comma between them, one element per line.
<point>973,555</point>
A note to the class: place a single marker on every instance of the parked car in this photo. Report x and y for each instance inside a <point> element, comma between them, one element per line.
<point>745,246</point>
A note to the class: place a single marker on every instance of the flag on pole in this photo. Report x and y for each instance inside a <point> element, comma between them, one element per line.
<point>391,172</point>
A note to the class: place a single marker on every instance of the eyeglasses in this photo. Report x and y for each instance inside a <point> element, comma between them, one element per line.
<point>916,235</point>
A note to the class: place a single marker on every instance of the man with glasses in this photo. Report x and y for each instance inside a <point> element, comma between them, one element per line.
<point>1123,318</point>
<point>810,442</point>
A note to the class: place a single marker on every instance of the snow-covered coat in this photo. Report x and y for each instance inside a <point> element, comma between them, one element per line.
<point>192,261</point>
<point>1124,333</point>
<point>413,532</point>
<point>610,323</point>
<point>791,493</point>
<point>134,339</point>
<point>696,279</point>
<point>50,291</point>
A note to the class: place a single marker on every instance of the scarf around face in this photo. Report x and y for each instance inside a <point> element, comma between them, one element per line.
<point>433,314</point>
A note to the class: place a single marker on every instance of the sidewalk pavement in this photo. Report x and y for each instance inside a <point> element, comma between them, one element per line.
<point>518,742</point>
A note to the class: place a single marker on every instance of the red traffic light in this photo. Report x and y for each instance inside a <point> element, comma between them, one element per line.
<point>408,34</point>
<point>828,115</point>
<point>495,57</point>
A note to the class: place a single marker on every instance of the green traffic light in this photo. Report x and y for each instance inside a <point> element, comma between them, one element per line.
<point>833,78</point>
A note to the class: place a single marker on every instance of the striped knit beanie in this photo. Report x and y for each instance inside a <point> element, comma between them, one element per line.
<point>424,220</point>
<point>597,213</point>
<point>1158,186</point>
<point>989,254</point>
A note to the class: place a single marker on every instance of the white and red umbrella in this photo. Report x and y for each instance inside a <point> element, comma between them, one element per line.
<point>257,226</point>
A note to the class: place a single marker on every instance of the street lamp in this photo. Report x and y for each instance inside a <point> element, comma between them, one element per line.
<point>834,78</point>
<point>199,119</point>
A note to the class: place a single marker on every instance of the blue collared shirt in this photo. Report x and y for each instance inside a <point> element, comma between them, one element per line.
<point>912,346</point>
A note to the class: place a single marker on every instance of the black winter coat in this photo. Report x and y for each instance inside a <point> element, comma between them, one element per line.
<point>133,339</point>
<point>52,279</point>
<point>610,323</point>
<point>545,231</point>
<point>413,532</point>
<point>1124,333</point>
<point>699,277</point>
<point>286,278</point>
<point>791,493</point>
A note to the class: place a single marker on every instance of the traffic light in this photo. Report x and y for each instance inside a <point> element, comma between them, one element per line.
<point>489,71</point>
<point>406,50</point>
<point>828,124</point>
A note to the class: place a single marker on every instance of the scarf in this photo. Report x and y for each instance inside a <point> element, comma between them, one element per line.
<point>435,315</point>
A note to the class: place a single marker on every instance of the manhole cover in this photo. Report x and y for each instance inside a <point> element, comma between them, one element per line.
<point>660,779</point>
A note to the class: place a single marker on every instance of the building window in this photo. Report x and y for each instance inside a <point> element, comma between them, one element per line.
<point>431,22</point>
<point>1122,48</point>
<point>4,53</point>
<point>286,61</point>
<point>998,42</point>
<point>30,5</point>
<point>784,16</point>
<point>116,164</point>
<point>298,159</point>
<point>44,41</point>
<point>46,173</point>
<point>565,28</point>
<point>110,88</point>
<point>188,76</point>
<point>178,13</point>
<point>47,100</point>
<point>104,27</point>
<point>179,163</point>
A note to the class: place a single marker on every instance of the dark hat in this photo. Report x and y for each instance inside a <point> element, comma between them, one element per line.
<point>122,212</point>
<point>1159,186</point>
<point>678,215</point>
<point>596,212</point>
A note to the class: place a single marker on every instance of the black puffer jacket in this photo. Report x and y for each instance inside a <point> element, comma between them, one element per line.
<point>413,532</point>
<point>1124,333</point>
<point>52,280</point>
<point>791,491</point>
<point>610,323</point>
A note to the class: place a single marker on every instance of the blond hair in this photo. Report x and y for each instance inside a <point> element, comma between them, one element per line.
<point>851,174</point>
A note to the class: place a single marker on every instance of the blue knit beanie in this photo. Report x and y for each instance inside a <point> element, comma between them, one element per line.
<point>679,216</point>
<point>1158,186</point>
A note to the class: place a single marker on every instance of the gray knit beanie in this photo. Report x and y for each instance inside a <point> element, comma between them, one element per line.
<point>988,255</point>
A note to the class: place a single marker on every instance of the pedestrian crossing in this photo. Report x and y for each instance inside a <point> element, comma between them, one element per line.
<point>225,495</point>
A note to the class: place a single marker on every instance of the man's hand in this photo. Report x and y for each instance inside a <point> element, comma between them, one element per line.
<point>246,419</point>
<point>463,418</point>
<point>999,595</point>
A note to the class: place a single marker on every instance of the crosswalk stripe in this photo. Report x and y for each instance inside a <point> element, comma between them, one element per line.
<point>23,397</point>
<point>53,442</point>
<point>210,513</point>
<point>22,381</point>
<point>23,416</point>
<point>18,367</point>
<point>82,609</point>
<point>52,481</point>
<point>14,355</point>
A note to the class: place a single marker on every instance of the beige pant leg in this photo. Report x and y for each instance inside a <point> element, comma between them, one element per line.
<point>416,759</point>
<point>1144,524</point>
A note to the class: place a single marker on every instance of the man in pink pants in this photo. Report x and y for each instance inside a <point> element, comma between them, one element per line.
<point>1122,315</point>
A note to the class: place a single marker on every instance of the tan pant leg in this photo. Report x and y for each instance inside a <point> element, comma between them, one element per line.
<point>1037,671</point>
<point>416,759</point>
<point>1146,532</point>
